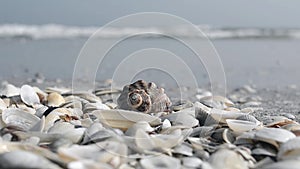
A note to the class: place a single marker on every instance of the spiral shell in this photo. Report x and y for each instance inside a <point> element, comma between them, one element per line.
<point>144,97</point>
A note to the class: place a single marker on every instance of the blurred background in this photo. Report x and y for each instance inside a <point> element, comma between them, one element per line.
<point>258,41</point>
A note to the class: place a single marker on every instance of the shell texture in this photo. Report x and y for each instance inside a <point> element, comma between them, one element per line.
<point>144,97</point>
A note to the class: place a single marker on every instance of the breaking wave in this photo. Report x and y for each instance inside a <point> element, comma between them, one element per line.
<point>55,31</point>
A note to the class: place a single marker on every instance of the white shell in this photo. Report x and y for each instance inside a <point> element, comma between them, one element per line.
<point>289,149</point>
<point>29,96</point>
<point>141,125</point>
<point>17,117</point>
<point>184,118</point>
<point>227,159</point>
<point>159,161</point>
<point>124,119</point>
<point>274,135</point>
<point>240,125</point>
<point>16,159</point>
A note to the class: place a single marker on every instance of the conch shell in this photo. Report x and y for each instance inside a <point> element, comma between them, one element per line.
<point>144,97</point>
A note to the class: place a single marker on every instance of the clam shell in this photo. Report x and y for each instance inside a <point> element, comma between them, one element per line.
<point>17,117</point>
<point>287,164</point>
<point>68,131</point>
<point>15,159</point>
<point>274,135</point>
<point>104,152</point>
<point>240,125</point>
<point>141,125</point>
<point>29,96</point>
<point>182,118</point>
<point>227,159</point>
<point>191,162</point>
<point>218,102</point>
<point>10,90</point>
<point>123,119</point>
<point>289,149</point>
<point>160,161</point>
<point>39,126</point>
<point>17,146</point>
<point>222,115</point>
<point>55,99</point>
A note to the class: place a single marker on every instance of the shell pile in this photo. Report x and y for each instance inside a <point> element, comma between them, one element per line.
<point>54,128</point>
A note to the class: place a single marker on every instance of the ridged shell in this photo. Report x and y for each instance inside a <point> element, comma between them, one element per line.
<point>144,97</point>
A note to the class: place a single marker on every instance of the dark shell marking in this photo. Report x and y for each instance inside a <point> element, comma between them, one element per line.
<point>144,97</point>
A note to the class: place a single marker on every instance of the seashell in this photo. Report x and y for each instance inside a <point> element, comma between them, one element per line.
<point>144,97</point>
<point>160,161</point>
<point>241,125</point>
<point>29,96</point>
<point>223,135</point>
<point>104,152</point>
<point>218,102</point>
<point>248,117</point>
<point>181,104</point>
<point>15,159</point>
<point>88,164</point>
<point>10,90</point>
<point>18,146</point>
<point>227,159</point>
<point>68,131</point>
<point>289,150</point>
<point>143,141</point>
<point>203,115</point>
<point>2,105</point>
<point>54,99</point>
<point>41,94</point>
<point>191,162</point>
<point>278,121</point>
<point>183,149</point>
<point>203,131</point>
<point>89,107</point>
<point>41,111</point>
<point>106,91</point>
<point>294,128</point>
<point>287,164</point>
<point>17,117</point>
<point>274,136</point>
<point>39,126</point>
<point>264,152</point>
<point>165,141</point>
<point>123,119</point>
<point>90,97</point>
<point>57,90</point>
<point>186,119</point>
<point>166,124</point>
<point>222,115</point>
<point>55,115</point>
<point>141,125</point>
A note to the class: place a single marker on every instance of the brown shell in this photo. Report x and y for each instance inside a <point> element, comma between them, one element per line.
<point>144,97</point>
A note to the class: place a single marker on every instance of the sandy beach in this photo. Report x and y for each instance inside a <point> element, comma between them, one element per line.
<point>149,85</point>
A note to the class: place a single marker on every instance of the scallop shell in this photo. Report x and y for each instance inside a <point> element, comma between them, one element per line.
<point>144,97</point>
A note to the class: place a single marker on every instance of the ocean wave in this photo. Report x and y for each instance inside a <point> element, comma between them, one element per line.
<point>54,31</point>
